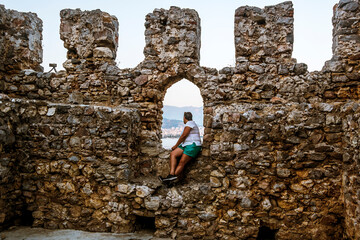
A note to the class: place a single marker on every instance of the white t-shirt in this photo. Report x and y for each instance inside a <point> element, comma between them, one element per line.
<point>194,135</point>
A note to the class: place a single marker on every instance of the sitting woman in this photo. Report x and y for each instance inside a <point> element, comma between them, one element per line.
<point>187,147</point>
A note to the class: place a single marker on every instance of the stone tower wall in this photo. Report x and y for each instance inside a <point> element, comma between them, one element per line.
<point>264,35</point>
<point>280,143</point>
<point>10,181</point>
<point>20,38</point>
<point>345,75</point>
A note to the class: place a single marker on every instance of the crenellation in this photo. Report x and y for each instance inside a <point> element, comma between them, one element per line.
<point>172,37</point>
<point>346,33</point>
<point>21,40</point>
<point>81,148</point>
<point>264,35</point>
<point>86,33</point>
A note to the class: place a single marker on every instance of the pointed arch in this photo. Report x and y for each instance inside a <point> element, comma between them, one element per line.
<point>182,96</point>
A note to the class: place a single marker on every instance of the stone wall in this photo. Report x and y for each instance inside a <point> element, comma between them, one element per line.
<point>280,162</point>
<point>263,35</point>
<point>20,48</point>
<point>20,41</point>
<point>280,143</point>
<point>350,177</point>
<point>65,149</point>
<point>346,48</point>
<point>96,37</point>
<point>10,181</point>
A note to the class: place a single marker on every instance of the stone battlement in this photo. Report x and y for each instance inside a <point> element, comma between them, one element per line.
<point>81,148</point>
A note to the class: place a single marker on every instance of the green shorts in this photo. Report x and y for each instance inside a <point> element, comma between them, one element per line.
<point>191,150</point>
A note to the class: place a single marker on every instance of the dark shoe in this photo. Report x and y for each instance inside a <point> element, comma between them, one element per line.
<point>168,178</point>
<point>171,178</point>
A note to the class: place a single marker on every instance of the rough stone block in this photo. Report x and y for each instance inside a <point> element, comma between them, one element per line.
<point>173,35</point>
<point>346,42</point>
<point>89,34</point>
<point>20,41</point>
<point>261,33</point>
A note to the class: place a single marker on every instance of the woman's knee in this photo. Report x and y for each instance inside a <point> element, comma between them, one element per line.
<point>173,153</point>
<point>184,161</point>
<point>176,153</point>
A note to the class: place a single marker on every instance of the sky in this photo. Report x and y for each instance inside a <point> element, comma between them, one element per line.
<point>312,32</point>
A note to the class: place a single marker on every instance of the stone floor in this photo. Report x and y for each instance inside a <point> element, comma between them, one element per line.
<point>28,233</point>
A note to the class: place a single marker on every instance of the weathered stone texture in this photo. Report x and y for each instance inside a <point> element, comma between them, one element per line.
<point>280,146</point>
<point>11,203</point>
<point>70,148</point>
<point>20,41</point>
<point>281,160</point>
<point>172,36</point>
<point>351,179</point>
<point>345,74</point>
<point>264,35</point>
<point>88,34</point>
<point>346,41</point>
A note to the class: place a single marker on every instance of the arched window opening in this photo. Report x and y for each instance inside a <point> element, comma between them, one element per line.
<point>183,96</point>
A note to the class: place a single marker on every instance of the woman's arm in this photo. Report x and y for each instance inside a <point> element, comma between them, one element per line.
<point>182,137</point>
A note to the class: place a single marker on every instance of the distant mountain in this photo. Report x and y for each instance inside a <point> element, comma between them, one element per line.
<point>177,113</point>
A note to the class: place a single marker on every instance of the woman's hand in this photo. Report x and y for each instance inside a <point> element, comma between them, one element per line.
<point>182,138</point>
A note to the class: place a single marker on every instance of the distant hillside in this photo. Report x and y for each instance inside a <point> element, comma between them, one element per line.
<point>177,113</point>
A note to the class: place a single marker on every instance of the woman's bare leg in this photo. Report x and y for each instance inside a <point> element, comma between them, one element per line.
<point>183,161</point>
<point>173,159</point>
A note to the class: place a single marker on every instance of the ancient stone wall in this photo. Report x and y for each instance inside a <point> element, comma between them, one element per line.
<point>350,176</point>
<point>20,48</point>
<point>64,150</point>
<point>264,35</point>
<point>20,41</point>
<point>96,37</point>
<point>280,143</point>
<point>346,48</point>
<point>11,203</point>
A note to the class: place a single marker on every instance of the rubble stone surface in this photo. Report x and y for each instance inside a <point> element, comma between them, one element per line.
<point>81,148</point>
<point>20,41</point>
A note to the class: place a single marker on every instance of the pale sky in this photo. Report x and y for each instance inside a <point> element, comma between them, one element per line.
<point>312,32</point>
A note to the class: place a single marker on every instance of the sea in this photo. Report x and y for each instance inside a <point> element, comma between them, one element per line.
<point>167,143</point>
